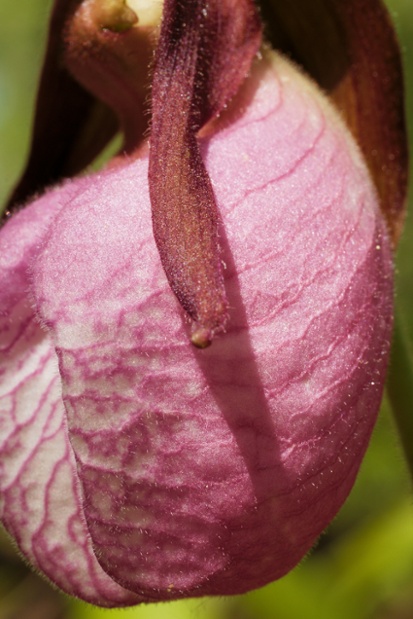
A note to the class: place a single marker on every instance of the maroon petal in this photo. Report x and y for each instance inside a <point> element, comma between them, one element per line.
<point>71,127</point>
<point>204,54</point>
<point>350,48</point>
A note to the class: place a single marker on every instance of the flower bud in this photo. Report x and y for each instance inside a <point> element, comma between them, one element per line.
<point>136,467</point>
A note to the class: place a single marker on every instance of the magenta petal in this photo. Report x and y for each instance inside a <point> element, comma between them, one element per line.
<point>213,472</point>
<point>40,500</point>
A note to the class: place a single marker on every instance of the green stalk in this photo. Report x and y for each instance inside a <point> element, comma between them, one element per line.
<point>400,390</point>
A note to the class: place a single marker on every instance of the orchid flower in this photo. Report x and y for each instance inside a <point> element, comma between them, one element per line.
<point>194,340</point>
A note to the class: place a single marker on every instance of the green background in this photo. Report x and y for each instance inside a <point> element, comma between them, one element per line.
<point>362,567</point>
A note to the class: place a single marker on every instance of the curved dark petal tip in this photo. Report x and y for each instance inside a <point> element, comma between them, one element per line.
<point>205,328</point>
<point>350,48</point>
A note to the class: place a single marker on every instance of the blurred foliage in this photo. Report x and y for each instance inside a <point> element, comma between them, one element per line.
<point>362,567</point>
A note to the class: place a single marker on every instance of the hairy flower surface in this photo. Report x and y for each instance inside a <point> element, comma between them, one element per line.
<point>135,466</point>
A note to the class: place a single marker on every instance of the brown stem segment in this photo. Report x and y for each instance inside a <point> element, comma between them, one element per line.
<point>205,52</point>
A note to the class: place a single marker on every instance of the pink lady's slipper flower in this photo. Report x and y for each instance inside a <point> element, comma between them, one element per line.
<point>136,466</point>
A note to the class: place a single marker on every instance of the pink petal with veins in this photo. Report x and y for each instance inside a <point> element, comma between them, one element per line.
<point>214,471</point>
<point>40,501</point>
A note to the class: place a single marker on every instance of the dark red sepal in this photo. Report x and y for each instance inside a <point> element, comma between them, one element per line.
<point>204,54</point>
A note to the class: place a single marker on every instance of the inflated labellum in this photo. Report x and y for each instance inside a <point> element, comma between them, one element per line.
<point>194,340</point>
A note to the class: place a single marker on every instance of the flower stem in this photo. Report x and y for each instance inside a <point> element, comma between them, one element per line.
<point>400,390</point>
